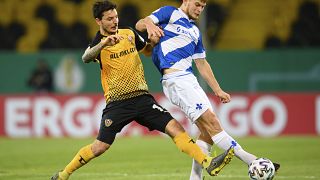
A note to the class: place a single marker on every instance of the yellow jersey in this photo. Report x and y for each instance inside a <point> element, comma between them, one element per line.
<point>122,74</point>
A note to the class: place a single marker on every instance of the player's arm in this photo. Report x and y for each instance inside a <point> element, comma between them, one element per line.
<point>147,24</point>
<point>151,22</point>
<point>154,31</point>
<point>91,53</point>
<point>206,72</point>
<point>147,51</point>
<point>142,45</point>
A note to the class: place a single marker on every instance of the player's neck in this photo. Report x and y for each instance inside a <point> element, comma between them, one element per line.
<point>184,10</point>
<point>106,33</point>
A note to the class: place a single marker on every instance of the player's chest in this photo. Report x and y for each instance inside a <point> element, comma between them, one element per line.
<point>187,32</point>
<point>120,52</point>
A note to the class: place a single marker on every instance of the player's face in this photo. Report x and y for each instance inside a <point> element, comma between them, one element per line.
<point>194,8</point>
<point>109,22</point>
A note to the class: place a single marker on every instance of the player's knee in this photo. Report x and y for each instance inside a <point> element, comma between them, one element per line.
<point>209,123</point>
<point>99,147</point>
<point>209,116</point>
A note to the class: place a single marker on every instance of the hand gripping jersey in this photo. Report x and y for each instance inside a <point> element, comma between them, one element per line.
<point>122,74</point>
<point>181,43</point>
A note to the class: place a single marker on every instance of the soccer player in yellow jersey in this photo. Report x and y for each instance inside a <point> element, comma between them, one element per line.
<point>126,93</point>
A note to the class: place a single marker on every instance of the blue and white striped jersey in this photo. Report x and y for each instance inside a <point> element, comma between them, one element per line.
<point>181,43</point>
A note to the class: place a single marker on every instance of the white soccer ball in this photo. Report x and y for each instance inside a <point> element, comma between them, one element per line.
<point>261,169</point>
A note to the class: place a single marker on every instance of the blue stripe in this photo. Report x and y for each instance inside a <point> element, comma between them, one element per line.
<point>190,69</point>
<point>182,53</point>
<point>164,13</point>
<point>168,35</point>
<point>183,22</point>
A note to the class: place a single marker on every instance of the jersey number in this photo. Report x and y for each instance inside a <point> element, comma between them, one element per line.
<point>159,108</point>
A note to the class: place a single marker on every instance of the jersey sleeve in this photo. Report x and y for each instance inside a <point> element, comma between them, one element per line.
<point>162,14</point>
<point>139,41</point>
<point>96,40</point>
<point>199,52</point>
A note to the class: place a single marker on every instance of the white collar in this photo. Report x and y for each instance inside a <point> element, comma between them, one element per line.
<point>185,15</point>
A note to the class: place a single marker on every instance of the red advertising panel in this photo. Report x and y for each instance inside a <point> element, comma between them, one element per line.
<point>79,115</point>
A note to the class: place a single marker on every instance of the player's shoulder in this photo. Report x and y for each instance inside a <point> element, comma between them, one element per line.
<point>96,39</point>
<point>126,30</point>
<point>168,8</point>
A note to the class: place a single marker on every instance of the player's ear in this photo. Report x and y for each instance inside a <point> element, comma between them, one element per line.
<point>98,21</point>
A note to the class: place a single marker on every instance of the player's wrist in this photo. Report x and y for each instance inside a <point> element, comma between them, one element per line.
<point>217,90</point>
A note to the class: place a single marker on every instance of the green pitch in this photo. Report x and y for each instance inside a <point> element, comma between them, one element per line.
<point>152,158</point>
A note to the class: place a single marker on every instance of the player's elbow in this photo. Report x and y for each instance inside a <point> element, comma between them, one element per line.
<point>139,25</point>
<point>85,59</point>
<point>147,53</point>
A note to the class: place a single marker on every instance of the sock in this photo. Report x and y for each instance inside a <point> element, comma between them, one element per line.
<point>196,170</point>
<point>63,175</point>
<point>224,141</point>
<point>84,155</point>
<point>187,145</point>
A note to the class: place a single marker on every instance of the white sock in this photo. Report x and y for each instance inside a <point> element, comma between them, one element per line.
<point>224,141</point>
<point>196,171</point>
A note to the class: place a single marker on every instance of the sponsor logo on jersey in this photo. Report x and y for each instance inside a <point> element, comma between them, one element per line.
<point>122,53</point>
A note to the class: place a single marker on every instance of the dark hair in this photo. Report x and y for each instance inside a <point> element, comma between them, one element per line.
<point>100,6</point>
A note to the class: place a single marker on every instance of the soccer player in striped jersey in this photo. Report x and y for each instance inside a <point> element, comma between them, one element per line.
<point>179,44</point>
<point>126,93</point>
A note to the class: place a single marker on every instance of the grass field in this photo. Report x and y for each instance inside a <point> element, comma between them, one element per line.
<point>147,158</point>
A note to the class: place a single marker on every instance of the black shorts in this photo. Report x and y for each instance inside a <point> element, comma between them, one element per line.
<point>142,109</point>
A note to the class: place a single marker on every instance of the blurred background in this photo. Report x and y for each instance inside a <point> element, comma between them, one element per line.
<point>266,53</point>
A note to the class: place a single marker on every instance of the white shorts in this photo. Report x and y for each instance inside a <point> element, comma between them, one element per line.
<point>182,89</point>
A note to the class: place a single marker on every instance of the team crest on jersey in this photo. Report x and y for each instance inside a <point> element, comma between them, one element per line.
<point>108,122</point>
<point>130,39</point>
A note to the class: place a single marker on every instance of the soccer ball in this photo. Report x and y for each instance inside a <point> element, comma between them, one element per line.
<point>261,169</point>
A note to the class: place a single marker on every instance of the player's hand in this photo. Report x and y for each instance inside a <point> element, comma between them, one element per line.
<point>111,40</point>
<point>154,40</point>
<point>224,97</point>
<point>154,30</point>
